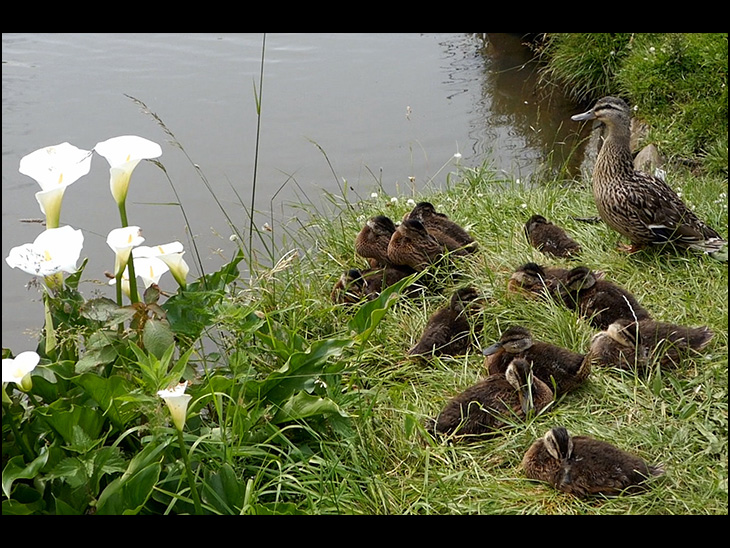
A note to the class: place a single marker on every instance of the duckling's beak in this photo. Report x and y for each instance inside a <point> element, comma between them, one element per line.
<point>492,349</point>
<point>526,402</point>
<point>590,115</point>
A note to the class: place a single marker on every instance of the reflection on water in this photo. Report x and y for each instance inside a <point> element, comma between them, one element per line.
<point>381,111</point>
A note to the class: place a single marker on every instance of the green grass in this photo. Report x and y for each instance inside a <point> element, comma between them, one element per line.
<point>387,465</point>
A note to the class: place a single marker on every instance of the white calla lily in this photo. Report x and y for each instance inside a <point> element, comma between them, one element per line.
<point>123,154</point>
<point>121,241</point>
<point>172,255</point>
<point>54,250</point>
<point>18,369</point>
<point>177,402</point>
<point>54,168</point>
<point>150,269</point>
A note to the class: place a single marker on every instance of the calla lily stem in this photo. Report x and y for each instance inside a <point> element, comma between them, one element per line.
<point>189,472</point>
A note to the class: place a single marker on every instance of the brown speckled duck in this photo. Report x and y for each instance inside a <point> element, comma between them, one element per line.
<point>373,238</point>
<point>550,238</point>
<point>448,331</point>
<point>600,302</point>
<point>641,207</point>
<point>494,402</point>
<point>551,363</point>
<point>446,231</point>
<point>411,245</point>
<point>636,346</point>
<point>349,288</point>
<point>584,466</point>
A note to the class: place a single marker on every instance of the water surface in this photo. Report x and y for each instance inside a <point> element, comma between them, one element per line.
<point>362,112</point>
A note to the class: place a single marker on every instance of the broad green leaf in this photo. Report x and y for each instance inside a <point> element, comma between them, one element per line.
<point>110,393</point>
<point>17,469</point>
<point>302,405</point>
<point>157,337</point>
<point>128,495</point>
<point>224,491</point>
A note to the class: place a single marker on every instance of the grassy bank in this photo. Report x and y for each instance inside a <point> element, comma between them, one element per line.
<point>676,417</point>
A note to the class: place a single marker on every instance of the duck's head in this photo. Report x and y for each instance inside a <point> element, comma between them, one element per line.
<point>535,221</point>
<point>519,375</point>
<point>558,443</point>
<point>464,297</point>
<point>610,110</point>
<point>580,278</point>
<point>515,340</point>
<point>528,274</point>
<point>624,332</point>
<point>381,224</point>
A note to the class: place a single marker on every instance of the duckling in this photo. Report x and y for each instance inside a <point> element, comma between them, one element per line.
<point>534,280</point>
<point>448,330</point>
<point>601,302</point>
<point>641,207</point>
<point>349,288</point>
<point>550,238</point>
<point>584,466</point>
<point>630,345</point>
<point>447,232</point>
<point>413,246</point>
<point>494,402</point>
<point>372,240</point>
<point>559,367</point>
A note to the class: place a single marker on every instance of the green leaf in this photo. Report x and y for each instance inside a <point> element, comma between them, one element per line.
<point>299,371</point>
<point>64,420</point>
<point>111,396</point>
<point>303,405</point>
<point>157,337</point>
<point>128,495</point>
<point>224,491</point>
<point>16,469</point>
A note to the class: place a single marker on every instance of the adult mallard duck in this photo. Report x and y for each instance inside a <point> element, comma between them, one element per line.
<point>494,403</point>
<point>559,367</point>
<point>449,233</point>
<point>641,207</point>
<point>550,238</point>
<point>630,345</point>
<point>584,466</point>
<point>449,331</point>
<point>372,240</point>
<point>600,302</point>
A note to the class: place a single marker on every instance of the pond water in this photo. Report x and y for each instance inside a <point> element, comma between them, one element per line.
<point>363,112</point>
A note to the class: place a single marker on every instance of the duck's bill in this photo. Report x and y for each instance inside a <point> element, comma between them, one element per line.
<point>491,349</point>
<point>584,116</point>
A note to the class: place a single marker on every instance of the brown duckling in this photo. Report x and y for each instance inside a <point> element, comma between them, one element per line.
<point>373,238</point>
<point>534,280</point>
<point>641,207</point>
<point>584,466</point>
<point>448,331</point>
<point>349,288</point>
<point>412,245</point>
<point>550,238</point>
<point>494,402</point>
<point>356,284</point>
<point>630,345</point>
<point>449,233</point>
<point>601,302</point>
<point>559,367</point>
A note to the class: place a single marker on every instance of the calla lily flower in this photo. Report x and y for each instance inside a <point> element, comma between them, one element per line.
<point>177,401</point>
<point>54,168</point>
<point>122,240</point>
<point>123,154</point>
<point>172,255</point>
<point>18,369</point>
<point>54,250</point>
<point>150,269</point>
